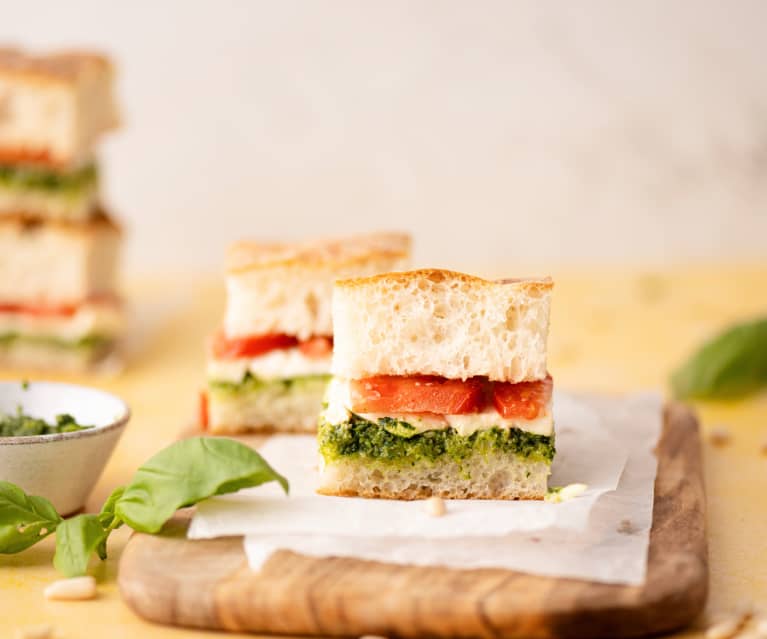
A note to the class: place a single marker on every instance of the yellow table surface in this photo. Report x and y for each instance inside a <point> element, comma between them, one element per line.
<point>612,330</point>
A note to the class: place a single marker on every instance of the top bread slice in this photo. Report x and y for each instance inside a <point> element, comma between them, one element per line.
<point>287,288</point>
<point>54,107</point>
<point>435,322</point>
<point>57,263</point>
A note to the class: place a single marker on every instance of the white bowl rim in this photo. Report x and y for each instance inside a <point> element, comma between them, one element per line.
<point>87,432</point>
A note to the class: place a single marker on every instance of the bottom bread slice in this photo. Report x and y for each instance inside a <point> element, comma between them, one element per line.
<point>482,476</point>
<point>40,354</point>
<point>266,406</point>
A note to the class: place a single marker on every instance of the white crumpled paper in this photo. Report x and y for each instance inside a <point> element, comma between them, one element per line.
<point>603,535</point>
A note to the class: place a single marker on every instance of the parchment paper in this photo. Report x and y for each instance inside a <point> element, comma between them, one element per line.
<point>603,535</point>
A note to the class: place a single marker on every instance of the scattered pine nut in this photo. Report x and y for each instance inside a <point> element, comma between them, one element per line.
<point>43,631</point>
<point>626,527</point>
<point>720,436</point>
<point>571,491</point>
<point>761,625</point>
<point>763,447</point>
<point>725,629</point>
<point>75,589</point>
<point>435,506</point>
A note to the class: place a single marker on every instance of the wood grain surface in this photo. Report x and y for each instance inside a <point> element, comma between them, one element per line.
<point>207,584</point>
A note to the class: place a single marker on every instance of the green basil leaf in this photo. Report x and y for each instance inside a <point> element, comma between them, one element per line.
<point>731,365</point>
<point>108,519</point>
<point>76,540</point>
<point>107,515</point>
<point>24,519</point>
<point>187,472</point>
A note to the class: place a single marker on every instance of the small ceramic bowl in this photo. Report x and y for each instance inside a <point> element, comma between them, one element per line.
<point>65,466</point>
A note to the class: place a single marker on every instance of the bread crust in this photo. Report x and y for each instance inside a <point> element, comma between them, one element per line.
<point>414,494</point>
<point>530,285</point>
<point>100,222</point>
<point>325,252</point>
<point>59,67</point>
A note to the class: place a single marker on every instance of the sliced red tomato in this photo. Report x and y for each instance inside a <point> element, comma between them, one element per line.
<point>55,310</point>
<point>417,394</point>
<point>232,348</point>
<point>203,409</point>
<point>317,347</point>
<point>525,400</point>
<point>40,310</point>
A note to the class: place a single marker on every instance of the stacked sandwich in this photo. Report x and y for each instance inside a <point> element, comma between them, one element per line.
<point>269,364</point>
<point>439,388</point>
<point>58,247</point>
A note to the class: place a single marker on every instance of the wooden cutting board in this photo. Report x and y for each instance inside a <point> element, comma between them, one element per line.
<point>207,583</point>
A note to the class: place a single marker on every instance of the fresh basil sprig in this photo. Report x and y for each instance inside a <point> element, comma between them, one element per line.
<point>730,365</point>
<point>182,474</point>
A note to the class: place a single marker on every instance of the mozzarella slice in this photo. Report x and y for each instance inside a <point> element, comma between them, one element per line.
<point>105,320</point>
<point>280,363</point>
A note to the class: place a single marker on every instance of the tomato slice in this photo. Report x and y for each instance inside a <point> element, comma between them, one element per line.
<point>203,409</point>
<point>417,394</point>
<point>40,310</point>
<point>226,348</point>
<point>525,400</point>
<point>55,310</point>
<point>317,347</point>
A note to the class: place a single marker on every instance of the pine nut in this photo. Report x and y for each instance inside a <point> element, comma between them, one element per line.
<point>725,629</point>
<point>43,631</point>
<point>571,491</point>
<point>435,506</point>
<point>75,589</point>
<point>720,436</point>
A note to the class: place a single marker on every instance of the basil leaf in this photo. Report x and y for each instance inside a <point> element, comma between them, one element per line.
<point>107,515</point>
<point>24,519</point>
<point>731,365</point>
<point>76,540</point>
<point>187,472</point>
<point>108,520</point>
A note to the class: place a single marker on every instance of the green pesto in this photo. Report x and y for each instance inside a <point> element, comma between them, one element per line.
<point>395,442</point>
<point>89,342</point>
<point>21,425</point>
<point>251,384</point>
<point>42,180</point>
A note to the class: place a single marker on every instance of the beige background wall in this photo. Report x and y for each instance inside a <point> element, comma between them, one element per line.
<point>496,131</point>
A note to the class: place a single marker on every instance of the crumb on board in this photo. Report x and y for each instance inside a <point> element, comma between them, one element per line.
<point>720,436</point>
<point>435,506</point>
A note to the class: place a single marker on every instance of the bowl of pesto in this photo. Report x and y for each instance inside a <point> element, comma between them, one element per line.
<point>55,439</point>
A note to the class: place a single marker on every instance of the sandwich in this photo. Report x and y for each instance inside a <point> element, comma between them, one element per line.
<point>58,247</point>
<point>269,364</point>
<point>439,388</point>
<point>58,305</point>
<point>55,108</point>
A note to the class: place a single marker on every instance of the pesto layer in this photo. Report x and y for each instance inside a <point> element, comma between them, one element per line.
<point>397,442</point>
<point>89,342</point>
<point>253,384</point>
<point>21,425</point>
<point>39,179</point>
